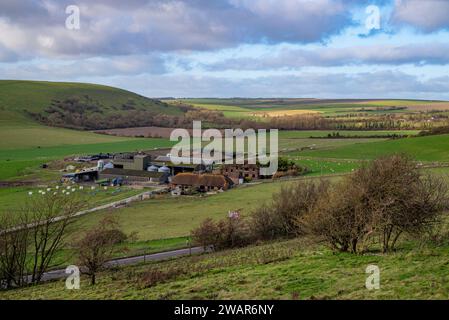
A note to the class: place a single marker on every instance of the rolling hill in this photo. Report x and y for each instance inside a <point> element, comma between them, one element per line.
<point>26,143</point>
<point>18,98</point>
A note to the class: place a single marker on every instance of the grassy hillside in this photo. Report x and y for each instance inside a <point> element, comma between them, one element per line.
<point>35,96</point>
<point>25,144</point>
<point>285,270</point>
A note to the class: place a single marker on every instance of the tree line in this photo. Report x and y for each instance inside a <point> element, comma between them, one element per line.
<point>84,113</point>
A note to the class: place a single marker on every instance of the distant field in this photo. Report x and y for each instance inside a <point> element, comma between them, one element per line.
<point>299,134</point>
<point>33,136</point>
<point>319,144</point>
<point>395,102</point>
<point>282,113</point>
<point>318,167</point>
<point>429,148</point>
<point>256,108</point>
<point>441,106</point>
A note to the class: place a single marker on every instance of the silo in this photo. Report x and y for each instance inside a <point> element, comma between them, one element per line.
<point>100,165</point>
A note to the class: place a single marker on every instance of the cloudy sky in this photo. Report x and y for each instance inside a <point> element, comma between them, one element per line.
<point>230,48</point>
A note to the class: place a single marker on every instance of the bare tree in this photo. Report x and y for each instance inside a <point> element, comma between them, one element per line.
<point>30,237</point>
<point>13,250</point>
<point>49,217</point>
<point>97,246</point>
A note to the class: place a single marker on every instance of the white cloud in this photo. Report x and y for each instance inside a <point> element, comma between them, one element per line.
<point>381,84</point>
<point>426,15</point>
<point>138,27</point>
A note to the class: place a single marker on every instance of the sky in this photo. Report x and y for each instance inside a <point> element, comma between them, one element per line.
<point>233,48</point>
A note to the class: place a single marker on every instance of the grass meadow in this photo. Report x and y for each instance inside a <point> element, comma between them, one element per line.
<point>292,269</point>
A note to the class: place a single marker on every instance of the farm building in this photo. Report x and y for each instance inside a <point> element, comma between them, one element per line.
<point>129,176</point>
<point>238,172</point>
<point>201,182</point>
<point>81,176</point>
<point>129,161</point>
<point>189,166</point>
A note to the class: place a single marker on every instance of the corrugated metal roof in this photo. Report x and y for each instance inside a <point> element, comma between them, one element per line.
<point>132,173</point>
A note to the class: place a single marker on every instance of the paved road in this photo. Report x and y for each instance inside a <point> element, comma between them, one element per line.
<point>60,274</point>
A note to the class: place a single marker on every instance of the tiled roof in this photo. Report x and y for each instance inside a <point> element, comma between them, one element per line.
<point>208,180</point>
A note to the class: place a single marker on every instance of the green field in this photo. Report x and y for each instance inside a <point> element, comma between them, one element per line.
<point>12,199</point>
<point>429,148</point>
<point>286,145</point>
<point>24,163</point>
<point>303,134</point>
<point>170,217</point>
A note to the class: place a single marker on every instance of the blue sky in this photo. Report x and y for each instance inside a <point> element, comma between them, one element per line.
<point>230,48</point>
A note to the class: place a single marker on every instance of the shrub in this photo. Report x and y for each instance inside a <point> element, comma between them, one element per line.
<point>280,218</point>
<point>295,201</point>
<point>230,232</point>
<point>155,276</point>
<point>207,234</point>
<point>379,202</point>
<point>265,225</point>
<point>338,219</point>
<point>234,233</point>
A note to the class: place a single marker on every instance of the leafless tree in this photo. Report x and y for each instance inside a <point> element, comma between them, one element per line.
<point>49,217</point>
<point>30,237</point>
<point>13,250</point>
<point>96,247</point>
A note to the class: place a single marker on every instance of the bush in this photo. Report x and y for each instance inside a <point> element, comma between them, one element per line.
<point>379,202</point>
<point>207,234</point>
<point>265,225</point>
<point>230,232</point>
<point>156,276</point>
<point>338,219</point>
<point>295,201</point>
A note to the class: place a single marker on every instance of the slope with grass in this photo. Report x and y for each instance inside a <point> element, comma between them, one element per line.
<point>19,97</point>
<point>26,144</point>
<point>285,270</point>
